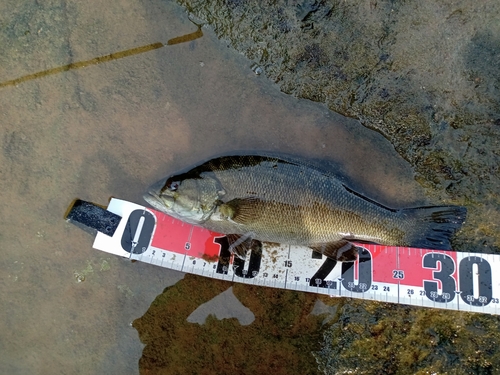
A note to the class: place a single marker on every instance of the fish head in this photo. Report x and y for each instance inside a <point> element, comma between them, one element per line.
<point>192,200</point>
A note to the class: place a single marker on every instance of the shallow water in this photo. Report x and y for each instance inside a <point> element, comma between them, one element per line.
<point>111,129</point>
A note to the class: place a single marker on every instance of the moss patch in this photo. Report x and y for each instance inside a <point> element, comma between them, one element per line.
<point>377,338</point>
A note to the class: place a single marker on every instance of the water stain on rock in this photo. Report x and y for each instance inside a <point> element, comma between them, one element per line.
<point>481,61</point>
<point>17,146</point>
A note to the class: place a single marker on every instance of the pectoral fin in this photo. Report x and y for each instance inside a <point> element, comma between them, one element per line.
<point>342,251</point>
<point>240,244</point>
<point>242,210</point>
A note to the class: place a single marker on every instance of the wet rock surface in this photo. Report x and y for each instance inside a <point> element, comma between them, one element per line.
<point>378,338</point>
<point>422,74</point>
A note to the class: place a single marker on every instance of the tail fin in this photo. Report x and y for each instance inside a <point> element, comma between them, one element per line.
<point>432,227</point>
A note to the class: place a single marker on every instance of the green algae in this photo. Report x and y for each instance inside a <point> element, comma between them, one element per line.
<point>94,268</point>
<point>83,274</point>
<point>280,340</point>
<point>105,266</point>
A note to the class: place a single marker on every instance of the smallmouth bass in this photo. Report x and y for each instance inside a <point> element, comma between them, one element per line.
<point>270,199</point>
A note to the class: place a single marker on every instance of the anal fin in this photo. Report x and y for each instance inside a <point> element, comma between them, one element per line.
<point>342,251</point>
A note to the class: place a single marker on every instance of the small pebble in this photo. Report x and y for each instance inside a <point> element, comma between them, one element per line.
<point>256,69</point>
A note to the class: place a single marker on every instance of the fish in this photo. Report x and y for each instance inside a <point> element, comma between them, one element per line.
<point>255,198</point>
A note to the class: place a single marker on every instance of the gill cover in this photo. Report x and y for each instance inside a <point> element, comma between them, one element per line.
<point>192,199</point>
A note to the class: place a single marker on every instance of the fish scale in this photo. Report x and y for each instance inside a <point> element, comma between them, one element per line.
<point>306,200</point>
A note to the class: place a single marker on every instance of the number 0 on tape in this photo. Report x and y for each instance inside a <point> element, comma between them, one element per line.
<point>419,277</point>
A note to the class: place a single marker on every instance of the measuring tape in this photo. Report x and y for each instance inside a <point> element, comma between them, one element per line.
<point>419,277</point>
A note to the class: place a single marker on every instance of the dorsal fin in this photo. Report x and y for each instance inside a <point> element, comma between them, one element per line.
<point>368,199</point>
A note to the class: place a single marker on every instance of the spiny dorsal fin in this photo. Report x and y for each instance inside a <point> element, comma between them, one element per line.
<point>366,198</point>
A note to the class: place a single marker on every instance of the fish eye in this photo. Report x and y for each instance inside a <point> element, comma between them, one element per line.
<point>171,185</point>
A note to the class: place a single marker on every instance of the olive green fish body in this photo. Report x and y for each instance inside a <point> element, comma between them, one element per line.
<point>277,200</point>
<point>285,202</point>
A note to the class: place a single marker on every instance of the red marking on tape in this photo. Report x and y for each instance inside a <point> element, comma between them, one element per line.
<point>170,234</point>
<point>178,237</point>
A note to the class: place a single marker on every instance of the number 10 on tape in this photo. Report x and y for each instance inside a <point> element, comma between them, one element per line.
<point>420,277</point>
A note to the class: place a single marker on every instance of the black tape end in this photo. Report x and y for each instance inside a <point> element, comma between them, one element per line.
<point>92,217</point>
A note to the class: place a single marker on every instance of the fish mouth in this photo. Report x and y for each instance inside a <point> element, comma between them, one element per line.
<point>157,187</point>
<point>152,195</point>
